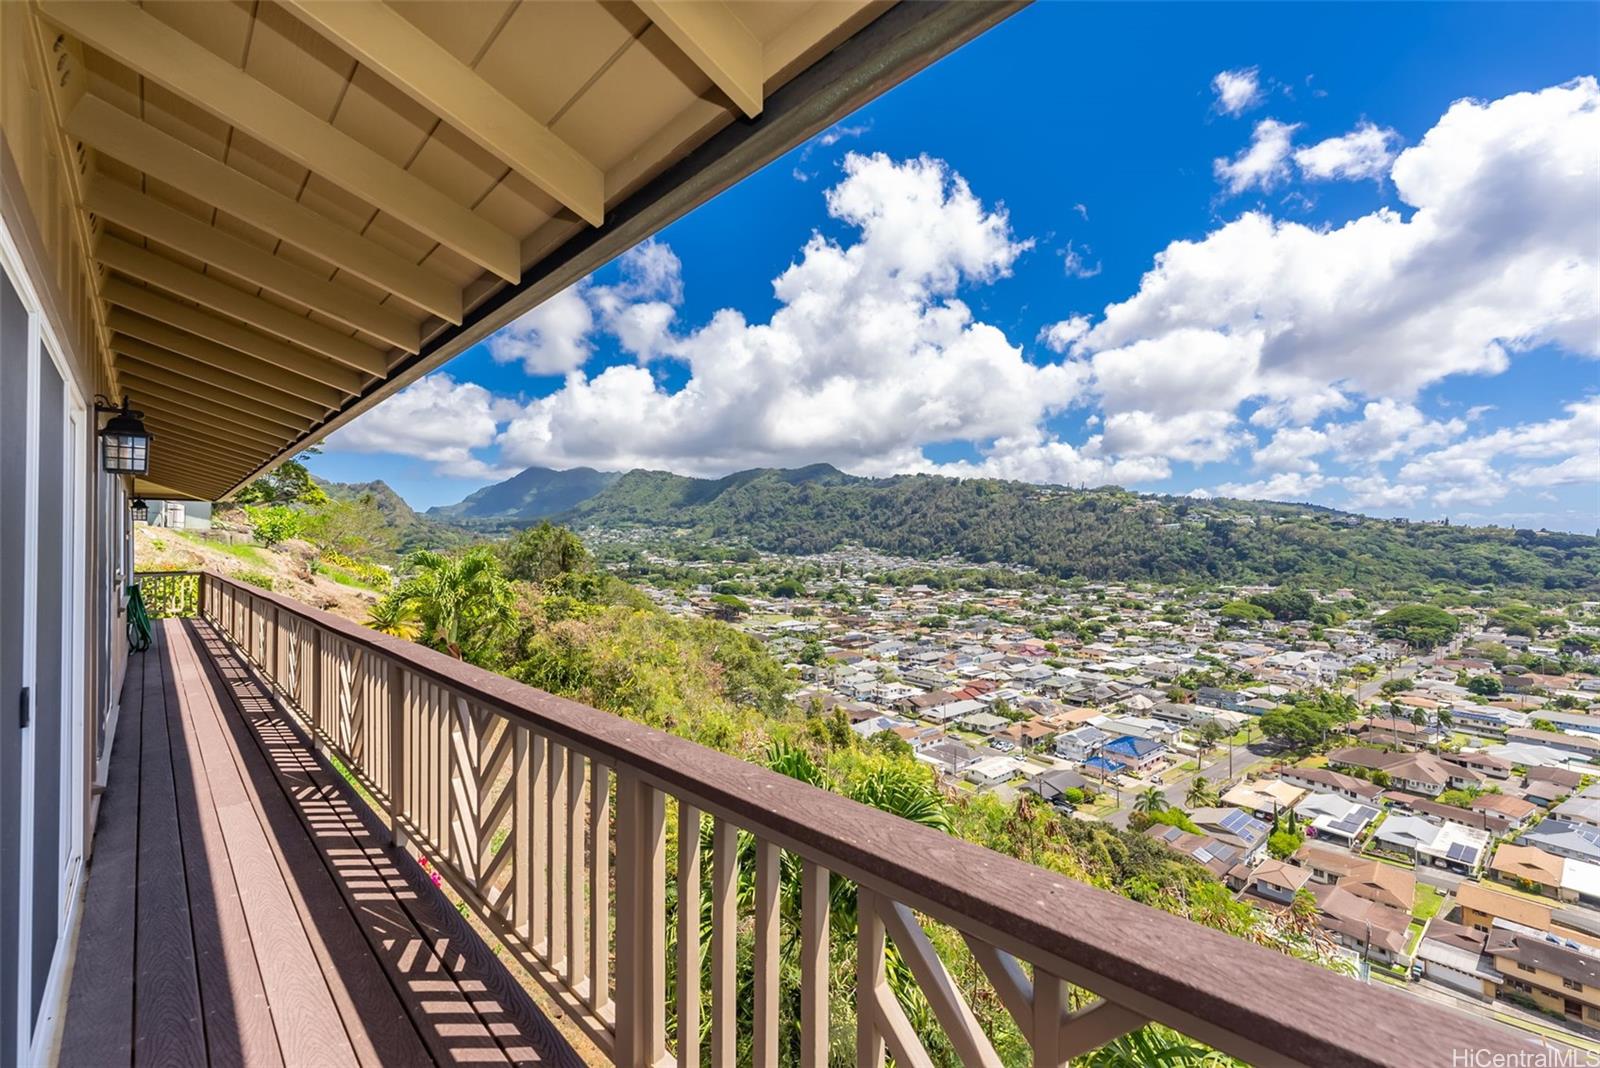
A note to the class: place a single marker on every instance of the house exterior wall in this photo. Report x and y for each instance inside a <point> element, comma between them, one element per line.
<point>44,248</point>
<point>1549,991</point>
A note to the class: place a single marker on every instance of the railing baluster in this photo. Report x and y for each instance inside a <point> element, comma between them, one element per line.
<point>521,824</point>
<point>556,868</point>
<point>814,968</point>
<point>724,944</point>
<point>688,935</point>
<point>397,752</point>
<point>765,1049</point>
<point>577,927</point>
<point>641,924</point>
<point>1049,1004</point>
<point>600,889</point>
<point>869,977</point>
<point>538,846</point>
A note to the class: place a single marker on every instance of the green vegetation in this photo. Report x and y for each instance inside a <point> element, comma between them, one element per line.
<point>1242,612</point>
<point>274,523</point>
<point>1308,722</point>
<point>259,579</point>
<point>1421,626</point>
<point>1284,844</point>
<point>462,604</point>
<point>1484,685</point>
<point>1097,534</point>
<point>288,483</point>
<point>1428,901</point>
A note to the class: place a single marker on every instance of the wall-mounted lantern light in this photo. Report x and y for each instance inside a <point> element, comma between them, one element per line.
<point>140,511</point>
<point>124,442</point>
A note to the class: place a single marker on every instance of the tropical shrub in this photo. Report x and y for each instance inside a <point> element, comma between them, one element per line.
<point>274,523</point>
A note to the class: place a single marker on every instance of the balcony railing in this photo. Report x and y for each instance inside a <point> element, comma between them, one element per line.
<point>169,594</point>
<point>550,820</point>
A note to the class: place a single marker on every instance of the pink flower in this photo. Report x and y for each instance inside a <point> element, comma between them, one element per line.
<point>438,880</point>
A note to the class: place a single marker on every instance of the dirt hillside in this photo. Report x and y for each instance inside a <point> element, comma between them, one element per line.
<point>226,549</point>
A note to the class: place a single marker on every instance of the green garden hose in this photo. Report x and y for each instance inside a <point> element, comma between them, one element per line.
<point>138,621</point>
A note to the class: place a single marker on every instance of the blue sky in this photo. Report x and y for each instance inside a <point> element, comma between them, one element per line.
<point>1341,254</point>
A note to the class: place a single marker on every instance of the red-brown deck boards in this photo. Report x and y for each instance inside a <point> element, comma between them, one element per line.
<point>100,1000</point>
<point>168,1028</point>
<point>241,908</point>
<point>464,1003</point>
<point>238,1019</point>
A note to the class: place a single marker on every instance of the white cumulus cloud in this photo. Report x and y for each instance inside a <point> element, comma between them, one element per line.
<point>869,357</point>
<point>435,419</point>
<point>1264,164</point>
<point>1364,152</point>
<point>1237,90</point>
<point>1497,257</point>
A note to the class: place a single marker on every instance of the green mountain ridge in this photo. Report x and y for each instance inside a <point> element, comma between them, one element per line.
<point>1099,534</point>
<point>533,494</point>
<point>411,529</point>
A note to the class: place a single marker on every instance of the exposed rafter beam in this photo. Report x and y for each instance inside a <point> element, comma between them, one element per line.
<point>226,332</point>
<point>191,463</point>
<point>220,453</point>
<point>198,487</point>
<point>244,425</point>
<point>138,144</point>
<point>151,218</point>
<point>145,354</point>
<point>152,48</point>
<point>709,33</point>
<point>198,348</point>
<point>417,65</point>
<point>146,381</point>
<point>215,445</point>
<point>229,432</point>
<point>149,267</point>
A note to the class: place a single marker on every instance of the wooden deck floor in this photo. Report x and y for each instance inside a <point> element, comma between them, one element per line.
<point>243,907</point>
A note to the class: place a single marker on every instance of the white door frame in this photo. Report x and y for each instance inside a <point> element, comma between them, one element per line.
<point>32,1041</point>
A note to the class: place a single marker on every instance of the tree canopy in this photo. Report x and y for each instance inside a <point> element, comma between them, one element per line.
<point>1421,626</point>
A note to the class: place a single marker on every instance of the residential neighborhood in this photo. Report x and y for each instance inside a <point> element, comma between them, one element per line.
<point>1443,830</point>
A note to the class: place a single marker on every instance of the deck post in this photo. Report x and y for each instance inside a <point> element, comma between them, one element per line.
<point>397,753</point>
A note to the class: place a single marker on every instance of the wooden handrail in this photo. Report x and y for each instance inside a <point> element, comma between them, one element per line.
<point>463,754</point>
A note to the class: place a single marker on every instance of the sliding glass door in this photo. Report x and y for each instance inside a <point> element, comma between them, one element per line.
<point>44,441</point>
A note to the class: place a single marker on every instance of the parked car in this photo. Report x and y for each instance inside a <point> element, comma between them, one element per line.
<point>1416,971</point>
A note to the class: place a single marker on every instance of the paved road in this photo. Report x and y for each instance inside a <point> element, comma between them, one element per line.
<point>1403,670</point>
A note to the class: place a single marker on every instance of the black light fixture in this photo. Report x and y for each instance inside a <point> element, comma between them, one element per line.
<point>140,511</point>
<point>124,442</point>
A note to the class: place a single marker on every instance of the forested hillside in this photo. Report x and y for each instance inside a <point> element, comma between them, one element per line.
<point>1098,534</point>
<point>534,494</point>
<point>408,530</point>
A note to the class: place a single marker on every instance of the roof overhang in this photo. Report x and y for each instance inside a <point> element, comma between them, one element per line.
<point>296,209</point>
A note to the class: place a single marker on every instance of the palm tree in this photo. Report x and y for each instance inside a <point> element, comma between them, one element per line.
<point>463,601</point>
<point>1151,802</point>
<point>393,616</point>
<point>1200,794</point>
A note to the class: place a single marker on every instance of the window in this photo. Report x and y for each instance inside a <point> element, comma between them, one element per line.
<point>1521,967</point>
<point>1571,984</point>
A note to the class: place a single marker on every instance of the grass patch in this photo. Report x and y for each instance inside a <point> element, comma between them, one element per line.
<point>250,554</point>
<point>343,577</point>
<point>1429,898</point>
<point>1413,938</point>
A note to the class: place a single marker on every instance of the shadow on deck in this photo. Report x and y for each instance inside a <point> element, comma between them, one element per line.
<point>244,906</point>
